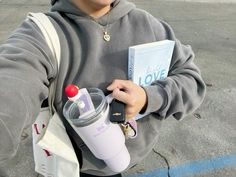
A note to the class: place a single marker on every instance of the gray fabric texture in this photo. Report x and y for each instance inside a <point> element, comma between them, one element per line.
<point>27,67</point>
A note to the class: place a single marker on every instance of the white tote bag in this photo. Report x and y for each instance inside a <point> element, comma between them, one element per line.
<point>54,154</point>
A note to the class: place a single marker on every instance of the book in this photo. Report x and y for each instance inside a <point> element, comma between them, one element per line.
<point>149,62</point>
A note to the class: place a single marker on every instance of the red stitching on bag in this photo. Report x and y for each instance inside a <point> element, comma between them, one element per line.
<point>36,129</point>
<point>47,153</point>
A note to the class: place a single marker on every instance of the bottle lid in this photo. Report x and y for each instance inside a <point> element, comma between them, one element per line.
<point>71,90</point>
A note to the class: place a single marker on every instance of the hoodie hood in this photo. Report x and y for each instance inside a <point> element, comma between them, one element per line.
<point>119,9</point>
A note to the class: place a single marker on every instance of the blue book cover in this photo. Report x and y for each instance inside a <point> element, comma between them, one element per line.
<point>149,62</point>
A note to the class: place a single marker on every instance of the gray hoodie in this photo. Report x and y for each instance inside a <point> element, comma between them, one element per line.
<point>27,67</point>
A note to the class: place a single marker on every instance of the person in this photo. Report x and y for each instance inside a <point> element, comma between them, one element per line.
<point>94,36</point>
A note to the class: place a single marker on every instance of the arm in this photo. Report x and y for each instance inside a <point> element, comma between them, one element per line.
<point>177,95</point>
<point>183,90</point>
<point>25,71</point>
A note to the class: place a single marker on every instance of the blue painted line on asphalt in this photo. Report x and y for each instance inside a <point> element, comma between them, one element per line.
<point>193,167</point>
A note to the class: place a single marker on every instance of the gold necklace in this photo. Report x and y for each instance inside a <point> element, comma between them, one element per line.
<point>106,36</point>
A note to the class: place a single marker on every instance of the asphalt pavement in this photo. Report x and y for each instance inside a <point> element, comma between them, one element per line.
<point>204,143</point>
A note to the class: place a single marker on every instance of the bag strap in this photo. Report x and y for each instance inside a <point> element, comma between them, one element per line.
<point>50,34</point>
<point>52,39</point>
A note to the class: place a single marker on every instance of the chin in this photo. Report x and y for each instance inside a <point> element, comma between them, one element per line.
<point>101,3</point>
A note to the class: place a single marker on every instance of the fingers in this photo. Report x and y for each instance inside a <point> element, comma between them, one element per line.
<point>122,96</point>
<point>122,91</point>
<point>120,84</point>
<point>129,93</point>
<point>125,98</point>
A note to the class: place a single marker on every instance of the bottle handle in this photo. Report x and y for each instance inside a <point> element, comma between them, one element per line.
<point>109,98</point>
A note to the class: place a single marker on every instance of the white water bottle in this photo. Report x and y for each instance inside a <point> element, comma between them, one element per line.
<point>104,138</point>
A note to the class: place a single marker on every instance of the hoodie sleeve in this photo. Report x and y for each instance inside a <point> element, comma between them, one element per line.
<point>183,90</point>
<point>26,68</point>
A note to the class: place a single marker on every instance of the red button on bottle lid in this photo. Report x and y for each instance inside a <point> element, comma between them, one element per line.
<point>71,90</point>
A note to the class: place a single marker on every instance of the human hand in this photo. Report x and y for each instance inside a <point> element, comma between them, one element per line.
<point>129,93</point>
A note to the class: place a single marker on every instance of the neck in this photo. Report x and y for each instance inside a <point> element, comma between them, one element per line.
<point>91,9</point>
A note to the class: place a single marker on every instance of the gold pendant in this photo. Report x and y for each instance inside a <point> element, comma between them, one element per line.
<point>106,36</point>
